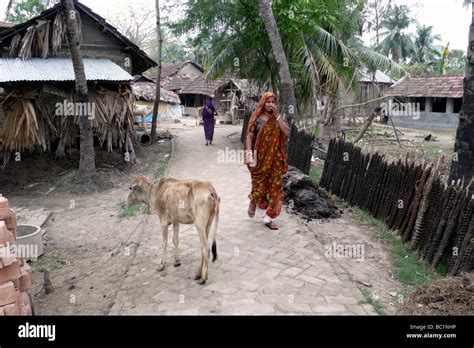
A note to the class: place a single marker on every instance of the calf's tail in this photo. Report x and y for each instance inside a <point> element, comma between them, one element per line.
<point>214,225</point>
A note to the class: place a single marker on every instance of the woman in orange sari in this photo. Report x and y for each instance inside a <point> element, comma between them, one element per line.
<point>265,156</point>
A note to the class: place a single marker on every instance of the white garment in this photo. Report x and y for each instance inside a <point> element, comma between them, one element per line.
<point>267,219</point>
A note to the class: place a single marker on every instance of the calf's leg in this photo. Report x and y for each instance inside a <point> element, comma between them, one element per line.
<point>161,266</point>
<point>177,261</point>
<point>205,253</point>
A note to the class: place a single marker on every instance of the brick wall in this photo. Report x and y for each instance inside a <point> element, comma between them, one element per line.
<point>15,274</point>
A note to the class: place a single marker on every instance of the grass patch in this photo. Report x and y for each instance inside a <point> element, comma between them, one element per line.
<point>376,305</point>
<point>160,172</point>
<point>50,267</point>
<point>127,211</point>
<point>434,150</point>
<point>315,174</point>
<point>408,268</point>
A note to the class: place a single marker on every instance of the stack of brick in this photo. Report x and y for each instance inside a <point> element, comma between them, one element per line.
<point>15,274</point>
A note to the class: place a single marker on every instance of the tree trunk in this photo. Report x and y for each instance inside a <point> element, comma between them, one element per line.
<point>87,156</point>
<point>287,91</point>
<point>295,149</point>
<point>158,78</point>
<point>462,165</point>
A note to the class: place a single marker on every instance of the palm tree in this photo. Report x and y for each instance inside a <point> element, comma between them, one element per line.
<point>397,43</point>
<point>463,161</point>
<point>424,42</point>
<point>87,155</point>
<point>158,78</point>
<point>286,82</point>
<point>87,168</point>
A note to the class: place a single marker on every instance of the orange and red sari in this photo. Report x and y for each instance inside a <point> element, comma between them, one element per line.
<point>270,153</point>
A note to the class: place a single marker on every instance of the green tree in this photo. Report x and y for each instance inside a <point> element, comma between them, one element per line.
<point>396,41</point>
<point>316,37</point>
<point>375,12</point>
<point>21,10</point>
<point>424,43</point>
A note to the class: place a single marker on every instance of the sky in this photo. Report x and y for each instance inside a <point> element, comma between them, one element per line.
<point>448,17</point>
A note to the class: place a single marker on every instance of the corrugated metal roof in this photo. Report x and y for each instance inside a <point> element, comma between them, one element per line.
<point>59,69</point>
<point>380,77</point>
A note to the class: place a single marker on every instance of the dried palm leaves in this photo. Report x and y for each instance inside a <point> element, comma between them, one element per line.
<point>30,122</point>
<point>26,124</point>
<point>40,36</point>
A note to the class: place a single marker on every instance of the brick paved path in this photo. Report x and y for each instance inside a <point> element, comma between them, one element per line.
<point>258,271</point>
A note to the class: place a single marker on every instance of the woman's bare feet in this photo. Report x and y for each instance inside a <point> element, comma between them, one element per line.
<point>271,226</point>
<point>251,210</point>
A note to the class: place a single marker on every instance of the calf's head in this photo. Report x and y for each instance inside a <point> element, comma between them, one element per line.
<point>139,191</point>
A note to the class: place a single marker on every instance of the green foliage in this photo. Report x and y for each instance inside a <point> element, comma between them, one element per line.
<point>397,42</point>
<point>127,211</point>
<point>315,174</point>
<point>408,268</point>
<point>22,10</point>
<point>434,150</point>
<point>376,304</point>
<point>317,35</point>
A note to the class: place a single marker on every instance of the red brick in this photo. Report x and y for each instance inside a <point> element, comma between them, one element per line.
<point>7,293</point>
<point>11,309</point>
<point>25,310</point>
<point>4,233</point>
<point>25,298</point>
<point>10,272</point>
<point>11,238</point>
<point>26,267</point>
<point>4,203</point>
<point>25,281</point>
<point>5,213</point>
<point>7,261</point>
<point>11,222</point>
<point>16,282</point>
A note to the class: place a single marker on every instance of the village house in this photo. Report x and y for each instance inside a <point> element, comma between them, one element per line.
<point>36,75</point>
<point>428,102</point>
<point>188,81</point>
<point>144,90</point>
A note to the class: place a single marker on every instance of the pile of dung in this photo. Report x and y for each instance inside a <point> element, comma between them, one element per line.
<point>447,296</point>
<point>303,197</point>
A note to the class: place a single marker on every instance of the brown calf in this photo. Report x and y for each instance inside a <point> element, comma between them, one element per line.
<point>181,202</point>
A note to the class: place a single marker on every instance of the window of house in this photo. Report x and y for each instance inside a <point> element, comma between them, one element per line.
<point>457,105</point>
<point>419,103</point>
<point>439,104</point>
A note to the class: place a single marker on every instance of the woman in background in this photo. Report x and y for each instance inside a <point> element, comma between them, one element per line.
<point>265,156</point>
<point>208,113</point>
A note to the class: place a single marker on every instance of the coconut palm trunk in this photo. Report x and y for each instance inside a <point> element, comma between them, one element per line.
<point>462,165</point>
<point>300,145</point>
<point>87,156</point>
<point>286,82</point>
<point>158,77</point>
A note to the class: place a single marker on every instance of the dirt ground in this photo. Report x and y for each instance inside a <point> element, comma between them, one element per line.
<point>87,238</point>
<point>382,138</point>
<point>84,232</point>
